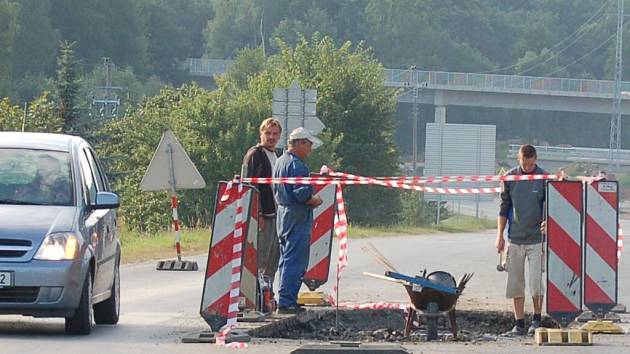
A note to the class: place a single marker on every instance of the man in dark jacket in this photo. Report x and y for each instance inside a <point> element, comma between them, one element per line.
<point>522,212</point>
<point>260,161</point>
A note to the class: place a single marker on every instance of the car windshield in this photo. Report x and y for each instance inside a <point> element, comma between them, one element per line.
<point>35,177</point>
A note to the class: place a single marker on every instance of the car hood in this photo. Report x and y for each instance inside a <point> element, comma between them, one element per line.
<point>34,222</point>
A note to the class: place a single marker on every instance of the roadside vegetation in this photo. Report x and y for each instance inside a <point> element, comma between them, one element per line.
<point>138,247</point>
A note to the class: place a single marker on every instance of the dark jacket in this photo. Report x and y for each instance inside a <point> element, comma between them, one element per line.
<point>258,165</point>
<point>522,204</point>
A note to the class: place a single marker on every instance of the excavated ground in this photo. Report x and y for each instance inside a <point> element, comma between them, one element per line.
<point>388,325</point>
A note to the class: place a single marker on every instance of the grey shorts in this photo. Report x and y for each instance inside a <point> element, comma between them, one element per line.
<point>515,264</point>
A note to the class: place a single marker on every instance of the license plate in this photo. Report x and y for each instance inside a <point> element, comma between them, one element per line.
<point>6,279</point>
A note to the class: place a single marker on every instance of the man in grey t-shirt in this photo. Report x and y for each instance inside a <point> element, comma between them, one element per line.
<point>522,212</point>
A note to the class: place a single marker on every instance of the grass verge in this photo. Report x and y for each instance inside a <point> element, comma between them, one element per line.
<point>138,247</point>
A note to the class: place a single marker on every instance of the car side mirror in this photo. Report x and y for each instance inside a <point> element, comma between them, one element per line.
<point>106,200</point>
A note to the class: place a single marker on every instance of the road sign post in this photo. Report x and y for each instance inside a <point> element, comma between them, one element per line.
<point>171,169</point>
<point>295,107</point>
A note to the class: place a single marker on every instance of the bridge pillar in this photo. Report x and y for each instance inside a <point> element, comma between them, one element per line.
<point>439,102</point>
<point>440,114</point>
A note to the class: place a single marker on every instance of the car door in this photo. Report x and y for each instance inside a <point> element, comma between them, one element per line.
<point>107,262</point>
<point>92,219</point>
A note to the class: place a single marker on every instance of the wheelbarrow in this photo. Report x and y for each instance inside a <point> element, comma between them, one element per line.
<point>431,296</point>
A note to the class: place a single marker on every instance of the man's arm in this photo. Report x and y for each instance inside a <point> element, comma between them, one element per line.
<point>303,193</point>
<point>254,164</point>
<point>504,213</point>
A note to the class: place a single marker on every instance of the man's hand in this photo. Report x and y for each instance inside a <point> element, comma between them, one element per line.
<point>499,243</point>
<point>315,201</point>
<point>261,222</point>
<point>543,227</point>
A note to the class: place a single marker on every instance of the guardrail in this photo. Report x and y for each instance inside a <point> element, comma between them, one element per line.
<point>207,67</point>
<point>576,154</point>
<point>403,78</point>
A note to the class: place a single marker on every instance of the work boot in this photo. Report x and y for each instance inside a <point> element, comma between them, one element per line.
<point>290,310</point>
<point>516,331</point>
<point>532,328</point>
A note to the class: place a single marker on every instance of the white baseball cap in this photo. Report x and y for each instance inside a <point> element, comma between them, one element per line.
<point>303,133</point>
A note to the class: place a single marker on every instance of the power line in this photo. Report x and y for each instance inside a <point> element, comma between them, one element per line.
<point>579,29</point>
<point>582,57</point>
<point>556,54</point>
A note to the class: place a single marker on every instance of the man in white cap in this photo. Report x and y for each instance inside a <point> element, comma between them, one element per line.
<point>294,217</point>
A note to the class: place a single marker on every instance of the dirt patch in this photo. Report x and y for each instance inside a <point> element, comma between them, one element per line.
<point>388,325</point>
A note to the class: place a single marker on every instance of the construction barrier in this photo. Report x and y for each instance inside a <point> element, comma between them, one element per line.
<point>601,246</point>
<point>564,250</point>
<point>321,238</point>
<point>222,283</point>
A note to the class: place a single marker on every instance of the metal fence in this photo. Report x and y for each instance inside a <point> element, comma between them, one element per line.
<point>576,154</point>
<point>403,78</point>
<point>207,67</point>
<point>470,81</point>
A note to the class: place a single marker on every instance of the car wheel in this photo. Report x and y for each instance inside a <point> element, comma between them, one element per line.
<point>83,319</point>
<point>108,311</point>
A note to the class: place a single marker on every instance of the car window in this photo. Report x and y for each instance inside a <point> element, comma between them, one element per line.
<point>88,178</point>
<point>35,177</point>
<point>98,177</point>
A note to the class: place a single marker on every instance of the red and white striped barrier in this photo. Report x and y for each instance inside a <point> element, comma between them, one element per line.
<point>564,249</point>
<point>321,238</point>
<point>178,235</point>
<point>601,246</point>
<point>221,290</point>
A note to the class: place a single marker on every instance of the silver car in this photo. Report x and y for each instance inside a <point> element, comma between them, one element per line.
<point>59,245</point>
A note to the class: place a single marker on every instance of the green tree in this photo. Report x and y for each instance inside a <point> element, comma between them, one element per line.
<point>8,28</point>
<point>34,50</point>
<point>67,86</point>
<point>40,116</point>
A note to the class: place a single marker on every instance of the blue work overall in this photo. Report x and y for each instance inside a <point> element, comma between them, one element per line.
<point>294,222</point>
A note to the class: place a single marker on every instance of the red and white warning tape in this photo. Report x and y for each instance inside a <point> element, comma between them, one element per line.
<point>237,245</point>
<point>341,229</point>
<point>375,306</point>
<point>409,183</point>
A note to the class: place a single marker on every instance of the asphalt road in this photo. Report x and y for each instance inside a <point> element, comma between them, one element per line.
<point>158,308</point>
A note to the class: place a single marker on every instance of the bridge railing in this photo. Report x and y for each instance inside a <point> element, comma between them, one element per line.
<point>403,78</point>
<point>576,154</point>
<point>207,67</point>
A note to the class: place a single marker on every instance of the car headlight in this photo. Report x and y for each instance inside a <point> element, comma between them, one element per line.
<point>58,246</point>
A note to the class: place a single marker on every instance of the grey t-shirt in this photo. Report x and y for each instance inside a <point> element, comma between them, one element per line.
<point>522,204</point>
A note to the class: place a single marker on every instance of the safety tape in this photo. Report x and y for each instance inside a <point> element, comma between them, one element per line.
<point>408,183</point>
<point>237,245</point>
<point>341,229</point>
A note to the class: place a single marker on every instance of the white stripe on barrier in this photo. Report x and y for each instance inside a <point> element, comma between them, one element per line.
<point>319,251</point>
<point>602,212</point>
<point>600,272</point>
<point>215,287</point>
<point>563,216</point>
<point>564,279</point>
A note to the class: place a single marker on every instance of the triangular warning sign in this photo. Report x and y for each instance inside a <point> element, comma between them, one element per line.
<point>170,160</point>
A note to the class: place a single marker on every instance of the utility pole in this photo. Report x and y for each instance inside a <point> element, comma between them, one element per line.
<point>414,113</point>
<point>107,101</point>
<point>615,121</point>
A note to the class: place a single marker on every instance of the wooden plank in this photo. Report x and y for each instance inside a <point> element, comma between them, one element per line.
<point>554,336</point>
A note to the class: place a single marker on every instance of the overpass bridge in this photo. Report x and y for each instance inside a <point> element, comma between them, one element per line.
<point>442,89</point>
